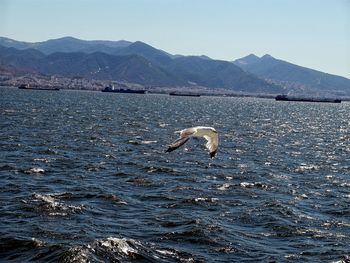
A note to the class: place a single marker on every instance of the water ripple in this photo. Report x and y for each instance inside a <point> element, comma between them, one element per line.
<point>85,178</point>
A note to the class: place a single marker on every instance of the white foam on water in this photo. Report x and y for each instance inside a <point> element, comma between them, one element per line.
<point>44,160</point>
<point>307,167</point>
<point>224,187</point>
<point>246,184</point>
<point>206,199</point>
<point>148,142</point>
<point>121,244</point>
<point>166,252</point>
<point>50,204</point>
<point>36,170</point>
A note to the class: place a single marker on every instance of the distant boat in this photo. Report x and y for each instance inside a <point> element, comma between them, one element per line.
<point>111,89</point>
<point>26,86</point>
<point>306,99</point>
<point>184,94</point>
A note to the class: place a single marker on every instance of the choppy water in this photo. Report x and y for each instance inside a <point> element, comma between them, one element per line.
<point>84,178</point>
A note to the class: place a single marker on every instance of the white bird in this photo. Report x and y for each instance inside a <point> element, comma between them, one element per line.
<point>209,133</point>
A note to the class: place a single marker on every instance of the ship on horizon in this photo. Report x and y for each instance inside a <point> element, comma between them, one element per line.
<point>120,90</point>
<point>189,94</point>
<point>306,99</point>
<point>26,86</point>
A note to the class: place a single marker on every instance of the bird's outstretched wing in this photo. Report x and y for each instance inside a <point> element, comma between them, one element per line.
<point>212,144</point>
<point>179,142</point>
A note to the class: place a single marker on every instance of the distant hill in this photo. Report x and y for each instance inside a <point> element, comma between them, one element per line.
<point>154,55</point>
<point>98,65</point>
<point>67,44</point>
<point>135,62</point>
<point>293,78</point>
<point>22,59</point>
<point>217,73</point>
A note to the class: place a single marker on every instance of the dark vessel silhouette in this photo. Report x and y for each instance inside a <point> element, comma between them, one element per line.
<point>26,86</point>
<point>184,94</point>
<point>112,89</point>
<point>306,99</point>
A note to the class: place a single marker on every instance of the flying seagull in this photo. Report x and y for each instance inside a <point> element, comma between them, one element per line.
<point>209,133</point>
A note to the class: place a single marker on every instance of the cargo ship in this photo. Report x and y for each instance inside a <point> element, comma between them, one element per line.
<point>24,86</point>
<point>306,99</point>
<point>112,89</point>
<point>184,94</point>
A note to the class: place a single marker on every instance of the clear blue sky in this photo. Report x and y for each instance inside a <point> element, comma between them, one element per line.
<point>310,33</point>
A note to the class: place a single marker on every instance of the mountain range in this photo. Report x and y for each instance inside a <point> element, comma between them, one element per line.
<point>295,79</point>
<point>138,62</point>
<point>66,44</point>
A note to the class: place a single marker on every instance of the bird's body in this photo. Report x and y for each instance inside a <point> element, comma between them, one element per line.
<point>209,133</point>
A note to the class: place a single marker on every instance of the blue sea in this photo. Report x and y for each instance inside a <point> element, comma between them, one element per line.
<point>85,178</point>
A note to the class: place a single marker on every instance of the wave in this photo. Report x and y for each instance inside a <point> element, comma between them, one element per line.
<point>50,204</point>
<point>115,249</point>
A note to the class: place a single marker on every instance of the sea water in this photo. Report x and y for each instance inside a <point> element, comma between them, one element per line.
<point>85,178</point>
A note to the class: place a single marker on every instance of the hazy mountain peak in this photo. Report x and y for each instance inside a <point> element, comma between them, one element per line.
<point>267,56</point>
<point>140,44</point>
<point>65,39</point>
<point>251,56</point>
<point>205,57</point>
<point>250,59</point>
<point>155,55</point>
